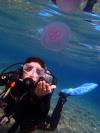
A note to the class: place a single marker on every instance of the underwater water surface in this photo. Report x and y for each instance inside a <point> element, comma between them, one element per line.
<point>21,27</point>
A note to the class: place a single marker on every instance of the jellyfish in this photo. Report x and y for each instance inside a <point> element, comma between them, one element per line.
<point>56,36</point>
<point>68,5</point>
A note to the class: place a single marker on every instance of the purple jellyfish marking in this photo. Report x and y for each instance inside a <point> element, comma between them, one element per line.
<point>69,5</point>
<point>56,36</point>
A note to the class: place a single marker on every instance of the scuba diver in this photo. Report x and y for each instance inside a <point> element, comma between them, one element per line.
<point>27,96</point>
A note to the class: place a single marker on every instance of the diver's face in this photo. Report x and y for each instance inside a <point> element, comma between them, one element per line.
<point>32,70</point>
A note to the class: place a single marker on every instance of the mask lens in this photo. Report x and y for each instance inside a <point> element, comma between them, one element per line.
<point>40,71</point>
<point>27,68</point>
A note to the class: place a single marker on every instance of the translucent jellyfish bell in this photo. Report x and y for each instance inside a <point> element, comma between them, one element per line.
<point>56,36</point>
<point>69,5</point>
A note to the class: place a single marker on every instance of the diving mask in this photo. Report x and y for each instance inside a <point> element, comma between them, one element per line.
<point>43,74</point>
<point>28,68</point>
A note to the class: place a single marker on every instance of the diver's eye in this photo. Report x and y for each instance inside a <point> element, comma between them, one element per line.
<point>40,71</point>
<point>27,68</point>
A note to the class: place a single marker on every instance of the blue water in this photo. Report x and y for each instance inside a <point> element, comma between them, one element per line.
<point>20,32</point>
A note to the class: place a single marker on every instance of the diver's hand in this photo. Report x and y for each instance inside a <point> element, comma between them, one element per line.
<point>43,88</point>
<point>4,120</point>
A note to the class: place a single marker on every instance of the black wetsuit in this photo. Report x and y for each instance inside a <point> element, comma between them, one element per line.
<point>26,108</point>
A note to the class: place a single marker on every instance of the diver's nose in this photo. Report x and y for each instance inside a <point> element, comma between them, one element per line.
<point>33,73</point>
